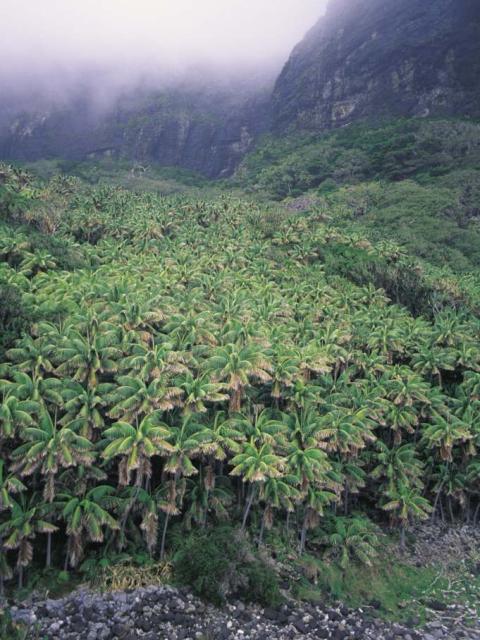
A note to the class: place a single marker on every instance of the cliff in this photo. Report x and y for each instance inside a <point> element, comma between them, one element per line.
<point>382,58</point>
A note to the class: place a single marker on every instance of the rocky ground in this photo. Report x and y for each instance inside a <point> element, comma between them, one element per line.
<point>165,613</point>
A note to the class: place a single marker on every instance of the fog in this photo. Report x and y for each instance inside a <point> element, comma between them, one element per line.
<point>50,44</point>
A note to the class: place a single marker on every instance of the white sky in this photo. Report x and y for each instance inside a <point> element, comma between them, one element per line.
<point>38,35</point>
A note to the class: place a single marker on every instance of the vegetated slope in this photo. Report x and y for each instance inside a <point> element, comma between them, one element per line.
<point>414,181</point>
<point>175,362</point>
<point>374,58</point>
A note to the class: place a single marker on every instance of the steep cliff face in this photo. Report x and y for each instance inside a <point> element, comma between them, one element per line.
<point>365,59</point>
<point>203,130</point>
<point>373,58</point>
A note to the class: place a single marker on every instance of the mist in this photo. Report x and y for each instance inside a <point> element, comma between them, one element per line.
<point>50,45</point>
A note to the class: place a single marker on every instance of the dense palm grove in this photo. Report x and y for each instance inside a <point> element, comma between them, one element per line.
<point>176,360</point>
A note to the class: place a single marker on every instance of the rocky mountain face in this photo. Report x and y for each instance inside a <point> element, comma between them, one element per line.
<point>374,58</point>
<point>204,130</point>
<point>364,59</point>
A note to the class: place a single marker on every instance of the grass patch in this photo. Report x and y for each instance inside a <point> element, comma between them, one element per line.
<point>392,590</point>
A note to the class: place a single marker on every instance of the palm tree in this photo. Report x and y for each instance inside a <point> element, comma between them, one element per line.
<point>444,433</point>
<point>263,427</point>
<point>277,493</point>
<point>32,356</point>
<point>199,390</point>
<point>83,406</point>
<point>236,366</point>
<point>185,442</point>
<point>135,397</point>
<point>397,465</point>
<point>315,499</point>
<point>15,414</point>
<point>86,357</point>
<point>48,448</point>
<point>350,539</point>
<point>10,485</point>
<point>87,517</point>
<point>135,445</point>
<point>431,361</point>
<point>255,464</point>
<point>24,522</point>
<point>404,504</point>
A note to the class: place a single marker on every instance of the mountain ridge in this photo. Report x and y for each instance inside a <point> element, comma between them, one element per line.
<point>365,59</point>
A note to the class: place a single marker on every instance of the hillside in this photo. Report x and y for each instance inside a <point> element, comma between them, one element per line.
<point>159,387</point>
<point>415,182</point>
<point>240,343</point>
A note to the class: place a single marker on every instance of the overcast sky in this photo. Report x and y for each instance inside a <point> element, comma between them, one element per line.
<point>65,35</point>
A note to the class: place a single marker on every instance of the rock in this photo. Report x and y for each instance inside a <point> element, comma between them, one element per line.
<point>374,58</point>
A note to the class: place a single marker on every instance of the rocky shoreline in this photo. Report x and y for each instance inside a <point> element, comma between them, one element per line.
<point>166,613</point>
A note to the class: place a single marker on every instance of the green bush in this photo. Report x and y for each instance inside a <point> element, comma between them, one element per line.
<point>218,563</point>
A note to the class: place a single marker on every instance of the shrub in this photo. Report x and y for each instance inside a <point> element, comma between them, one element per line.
<point>218,563</point>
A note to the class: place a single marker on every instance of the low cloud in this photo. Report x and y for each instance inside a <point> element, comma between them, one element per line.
<point>51,43</point>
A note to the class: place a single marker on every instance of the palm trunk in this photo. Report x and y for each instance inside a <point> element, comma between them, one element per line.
<point>442,510</point>
<point>164,536</point>
<point>247,508</point>
<point>402,538</point>
<point>205,515</point>
<point>303,535</point>
<point>65,564</point>
<point>48,562</point>
<point>435,504</point>
<point>20,577</point>
<point>130,506</point>
<point>450,509</point>
<point>476,514</point>
<point>262,529</point>
<point>345,500</point>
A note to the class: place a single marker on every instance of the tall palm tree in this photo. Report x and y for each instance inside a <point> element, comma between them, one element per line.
<point>404,504</point>
<point>87,518</point>
<point>135,444</point>
<point>236,366</point>
<point>24,522</point>
<point>15,414</point>
<point>255,464</point>
<point>133,397</point>
<point>48,448</point>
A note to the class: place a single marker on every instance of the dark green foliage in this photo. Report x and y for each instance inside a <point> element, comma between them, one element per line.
<point>218,563</point>
<point>416,182</point>
<point>13,315</point>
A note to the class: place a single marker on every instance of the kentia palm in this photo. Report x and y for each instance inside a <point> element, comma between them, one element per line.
<point>133,396</point>
<point>236,366</point>
<point>135,444</point>
<point>20,529</point>
<point>87,518</point>
<point>48,447</point>
<point>254,464</point>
